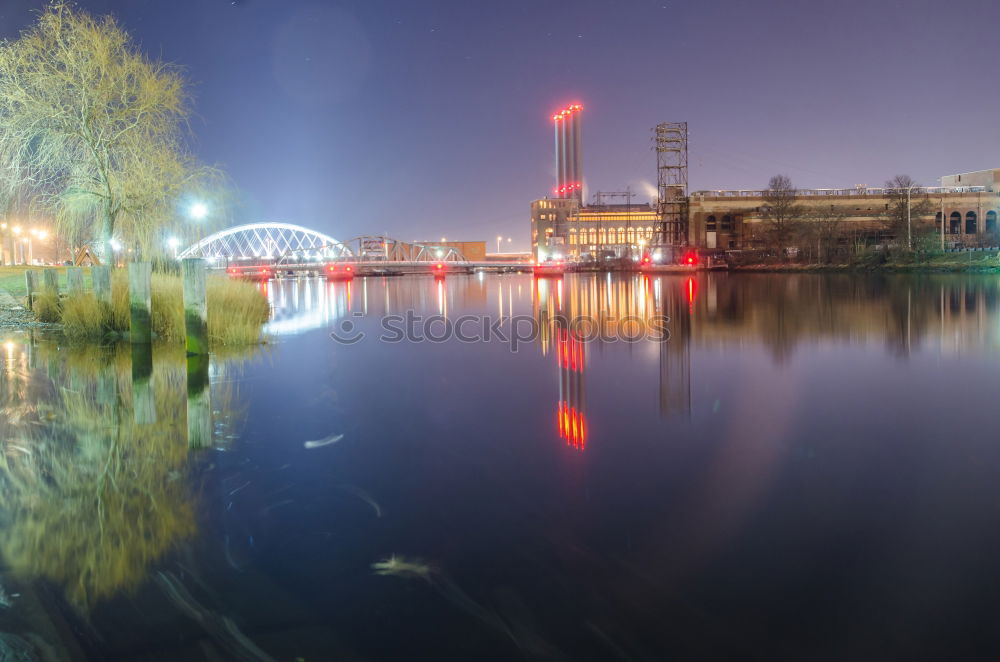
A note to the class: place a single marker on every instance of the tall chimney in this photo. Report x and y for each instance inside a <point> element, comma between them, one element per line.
<point>577,153</point>
<point>569,176</point>
<point>559,120</point>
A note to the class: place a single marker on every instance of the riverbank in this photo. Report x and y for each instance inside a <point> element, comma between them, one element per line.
<point>237,310</point>
<point>15,316</point>
<point>966,262</point>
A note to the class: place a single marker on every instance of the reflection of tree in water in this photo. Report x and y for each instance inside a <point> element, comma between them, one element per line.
<point>94,498</point>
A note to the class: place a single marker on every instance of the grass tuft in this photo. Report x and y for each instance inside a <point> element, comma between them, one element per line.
<point>47,307</point>
<point>84,317</point>
<point>237,311</point>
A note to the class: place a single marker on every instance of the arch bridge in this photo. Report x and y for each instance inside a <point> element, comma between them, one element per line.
<point>287,244</point>
<point>268,248</point>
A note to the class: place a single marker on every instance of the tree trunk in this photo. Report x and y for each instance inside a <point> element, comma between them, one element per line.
<point>107,233</point>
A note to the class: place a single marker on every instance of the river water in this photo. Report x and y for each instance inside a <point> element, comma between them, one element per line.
<point>627,468</point>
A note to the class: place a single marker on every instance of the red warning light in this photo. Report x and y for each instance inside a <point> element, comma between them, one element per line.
<point>348,269</point>
<point>439,266</point>
<point>690,258</point>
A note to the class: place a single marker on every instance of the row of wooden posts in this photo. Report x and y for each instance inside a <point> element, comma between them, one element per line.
<point>140,276</point>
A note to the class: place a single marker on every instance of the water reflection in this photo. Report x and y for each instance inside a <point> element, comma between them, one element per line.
<point>95,462</point>
<point>744,440</point>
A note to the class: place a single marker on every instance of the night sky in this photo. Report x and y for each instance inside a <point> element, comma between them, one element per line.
<point>427,118</point>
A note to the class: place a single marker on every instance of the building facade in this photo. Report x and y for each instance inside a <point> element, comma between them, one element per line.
<point>738,219</point>
<point>561,228</point>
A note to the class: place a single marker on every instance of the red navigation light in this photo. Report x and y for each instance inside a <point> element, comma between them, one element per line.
<point>691,258</point>
<point>439,266</point>
<point>348,269</point>
<point>330,267</point>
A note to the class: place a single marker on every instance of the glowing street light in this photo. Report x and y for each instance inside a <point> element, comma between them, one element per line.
<point>115,245</point>
<point>174,243</point>
<point>198,211</point>
<point>499,239</point>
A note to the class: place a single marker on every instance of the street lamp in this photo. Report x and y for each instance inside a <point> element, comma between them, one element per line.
<point>198,211</point>
<point>499,239</point>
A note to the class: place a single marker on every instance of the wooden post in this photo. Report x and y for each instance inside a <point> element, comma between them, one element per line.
<point>50,282</point>
<point>100,277</point>
<point>199,402</point>
<point>74,281</point>
<point>30,286</point>
<point>140,276</point>
<point>195,306</point>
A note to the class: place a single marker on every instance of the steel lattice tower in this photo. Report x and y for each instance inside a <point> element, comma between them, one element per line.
<point>670,140</point>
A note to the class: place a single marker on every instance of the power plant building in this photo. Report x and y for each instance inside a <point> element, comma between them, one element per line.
<point>562,227</point>
<point>967,205</point>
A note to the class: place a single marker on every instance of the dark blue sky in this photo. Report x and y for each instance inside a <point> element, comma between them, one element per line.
<point>431,118</point>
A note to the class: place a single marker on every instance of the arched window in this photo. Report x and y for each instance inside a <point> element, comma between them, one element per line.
<point>727,223</point>
<point>710,224</point>
<point>631,235</point>
<point>970,223</point>
<point>937,221</point>
<point>955,223</point>
<point>621,235</point>
<point>991,222</point>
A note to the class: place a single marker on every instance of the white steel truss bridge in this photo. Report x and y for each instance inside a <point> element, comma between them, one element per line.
<point>266,242</point>
<point>285,244</point>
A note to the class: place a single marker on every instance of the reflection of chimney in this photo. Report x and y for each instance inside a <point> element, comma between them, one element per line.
<point>569,177</point>
<point>571,421</point>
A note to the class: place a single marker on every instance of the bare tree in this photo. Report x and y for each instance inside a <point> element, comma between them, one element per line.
<point>908,202</point>
<point>823,227</point>
<point>91,129</point>
<point>781,212</point>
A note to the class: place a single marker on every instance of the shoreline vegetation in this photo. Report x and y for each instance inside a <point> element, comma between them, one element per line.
<point>976,261</point>
<point>237,310</point>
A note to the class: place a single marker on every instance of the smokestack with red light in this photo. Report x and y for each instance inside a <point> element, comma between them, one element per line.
<point>569,175</point>
<point>577,156</point>
<point>557,121</point>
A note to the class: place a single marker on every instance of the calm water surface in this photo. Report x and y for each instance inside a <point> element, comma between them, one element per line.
<point>808,468</point>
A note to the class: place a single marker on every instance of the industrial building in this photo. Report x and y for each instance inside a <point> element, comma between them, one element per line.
<point>614,226</point>
<point>737,219</point>
<point>563,227</point>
